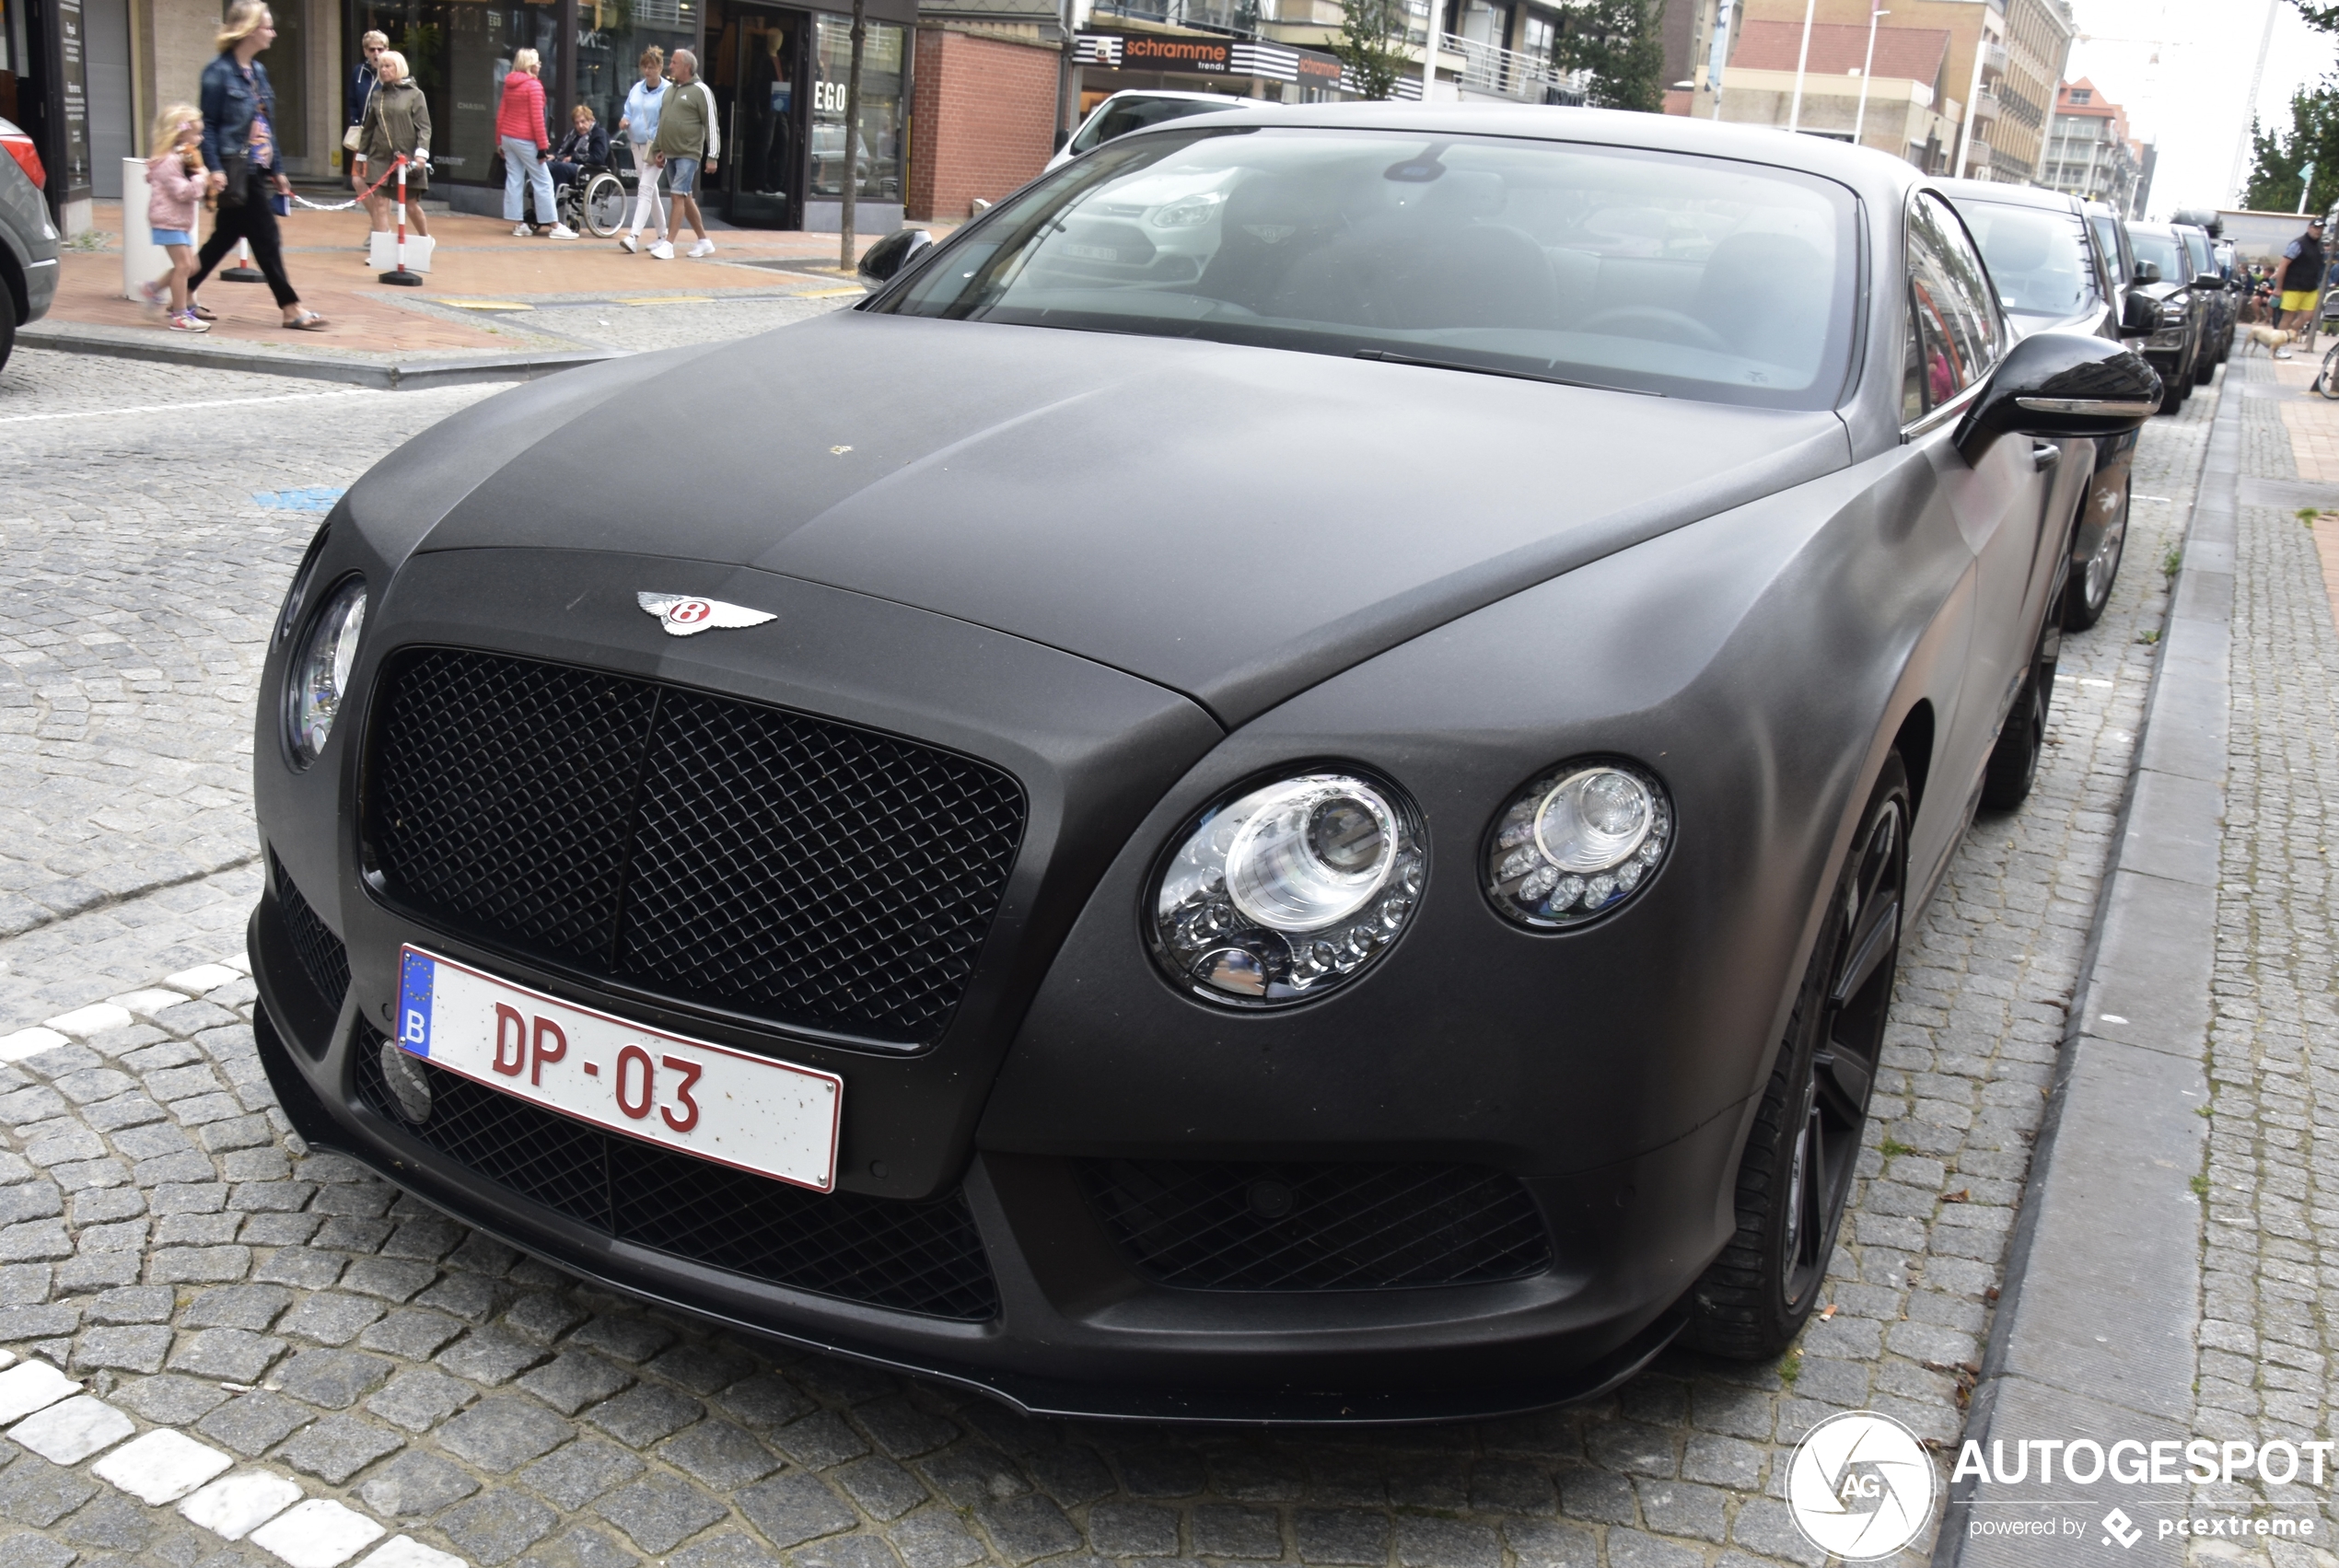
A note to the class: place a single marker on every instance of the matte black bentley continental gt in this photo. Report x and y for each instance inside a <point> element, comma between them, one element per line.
<point>1282,782</point>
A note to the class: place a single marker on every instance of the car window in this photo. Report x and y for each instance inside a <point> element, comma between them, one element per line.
<point>2038,259</point>
<point>1657,272</point>
<point>2197,258</point>
<point>2159,248</point>
<point>2107,238</point>
<point>1957,323</point>
<point>1120,118</point>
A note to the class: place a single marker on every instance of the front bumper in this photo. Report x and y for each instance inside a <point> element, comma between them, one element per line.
<point>1078,1329</point>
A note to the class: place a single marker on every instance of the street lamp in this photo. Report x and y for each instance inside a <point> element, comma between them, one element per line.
<point>1867,68</point>
<point>1795,115</point>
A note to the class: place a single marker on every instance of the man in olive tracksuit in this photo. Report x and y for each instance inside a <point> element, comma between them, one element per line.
<point>687,132</point>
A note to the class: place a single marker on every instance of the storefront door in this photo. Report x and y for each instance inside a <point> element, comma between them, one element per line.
<point>758,70</point>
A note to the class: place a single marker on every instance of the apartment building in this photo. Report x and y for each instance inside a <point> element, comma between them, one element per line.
<point>2088,151</point>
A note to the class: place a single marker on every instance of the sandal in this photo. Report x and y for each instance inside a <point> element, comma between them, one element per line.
<point>307,322</point>
<point>202,313</point>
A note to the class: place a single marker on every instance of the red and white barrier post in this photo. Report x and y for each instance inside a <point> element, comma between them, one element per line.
<point>399,275</point>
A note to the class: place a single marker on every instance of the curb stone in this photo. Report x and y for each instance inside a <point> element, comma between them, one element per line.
<point>2099,1308</point>
<point>367,370</point>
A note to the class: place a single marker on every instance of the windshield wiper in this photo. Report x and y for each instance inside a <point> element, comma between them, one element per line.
<point>1387,358</point>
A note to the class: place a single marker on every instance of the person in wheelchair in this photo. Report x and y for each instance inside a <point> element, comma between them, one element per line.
<point>586,188</point>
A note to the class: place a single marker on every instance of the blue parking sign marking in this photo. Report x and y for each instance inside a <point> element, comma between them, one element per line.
<point>416,974</point>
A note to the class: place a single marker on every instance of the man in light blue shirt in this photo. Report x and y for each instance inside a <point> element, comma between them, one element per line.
<point>639,126</point>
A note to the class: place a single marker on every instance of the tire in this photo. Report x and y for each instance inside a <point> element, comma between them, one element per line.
<point>605,204</point>
<point>2206,369</point>
<point>7,330</point>
<point>2014,761</point>
<point>1796,1175</point>
<point>2090,586</point>
<point>2175,387</point>
<point>2327,380</point>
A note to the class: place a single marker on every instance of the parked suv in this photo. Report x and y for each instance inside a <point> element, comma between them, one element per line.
<point>2050,270</point>
<point>2200,253</point>
<point>2165,272</point>
<point>28,239</point>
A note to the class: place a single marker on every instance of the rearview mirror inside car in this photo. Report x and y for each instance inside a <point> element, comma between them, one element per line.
<point>2054,384</point>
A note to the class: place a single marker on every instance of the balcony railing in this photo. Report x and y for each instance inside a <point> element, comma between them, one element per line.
<point>1986,106</point>
<point>1994,61</point>
<point>1217,16</point>
<point>1491,72</point>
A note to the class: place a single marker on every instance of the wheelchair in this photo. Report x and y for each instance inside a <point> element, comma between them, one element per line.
<point>597,202</point>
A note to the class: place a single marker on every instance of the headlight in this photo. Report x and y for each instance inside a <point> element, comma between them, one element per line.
<point>1290,891</point>
<point>318,679</point>
<point>1191,212</point>
<point>2173,307</point>
<point>1577,842</point>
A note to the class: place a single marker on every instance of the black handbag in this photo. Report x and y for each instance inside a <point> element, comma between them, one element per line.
<point>236,168</point>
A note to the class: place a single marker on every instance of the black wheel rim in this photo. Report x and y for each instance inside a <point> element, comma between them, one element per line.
<point>1844,1061</point>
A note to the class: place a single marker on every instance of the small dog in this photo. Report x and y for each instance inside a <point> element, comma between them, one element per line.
<point>2274,340</point>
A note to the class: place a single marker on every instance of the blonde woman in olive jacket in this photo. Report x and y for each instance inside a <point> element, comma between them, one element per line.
<point>397,121</point>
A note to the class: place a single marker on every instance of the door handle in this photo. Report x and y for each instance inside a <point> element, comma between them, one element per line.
<point>2045,454</point>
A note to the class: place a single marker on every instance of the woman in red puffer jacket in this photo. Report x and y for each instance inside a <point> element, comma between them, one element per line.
<point>519,122</point>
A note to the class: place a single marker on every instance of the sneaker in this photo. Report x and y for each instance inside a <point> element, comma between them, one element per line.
<point>561,231</point>
<point>188,323</point>
<point>521,231</point>
<point>704,247</point>
<point>155,296</point>
<point>662,251</point>
<point>627,242</point>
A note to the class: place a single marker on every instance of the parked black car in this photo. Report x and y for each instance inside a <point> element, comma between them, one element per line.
<point>2214,285</point>
<point>2048,264</point>
<point>2165,271</point>
<point>1310,827</point>
<point>28,239</point>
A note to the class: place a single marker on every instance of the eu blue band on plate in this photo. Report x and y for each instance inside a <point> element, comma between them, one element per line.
<point>416,974</point>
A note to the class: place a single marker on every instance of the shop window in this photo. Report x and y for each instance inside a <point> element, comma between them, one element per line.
<point>287,63</point>
<point>883,144</point>
<point>611,36</point>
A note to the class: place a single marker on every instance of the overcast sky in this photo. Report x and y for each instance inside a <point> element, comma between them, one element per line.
<point>2182,68</point>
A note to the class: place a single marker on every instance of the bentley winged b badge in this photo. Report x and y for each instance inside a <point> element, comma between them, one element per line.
<point>684,615</point>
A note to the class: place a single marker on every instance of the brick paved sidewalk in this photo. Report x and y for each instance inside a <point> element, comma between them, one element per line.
<point>164,1243</point>
<point>2266,1368</point>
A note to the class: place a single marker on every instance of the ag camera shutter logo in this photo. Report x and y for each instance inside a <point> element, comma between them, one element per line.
<point>1861,1486</point>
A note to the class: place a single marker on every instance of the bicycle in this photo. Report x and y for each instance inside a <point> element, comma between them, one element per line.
<point>2326,381</point>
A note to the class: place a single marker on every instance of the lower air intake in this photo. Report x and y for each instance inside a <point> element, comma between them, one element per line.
<point>1318,1226</point>
<point>322,958</point>
<point>912,1257</point>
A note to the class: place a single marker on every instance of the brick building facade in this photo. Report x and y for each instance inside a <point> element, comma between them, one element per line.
<point>984,118</point>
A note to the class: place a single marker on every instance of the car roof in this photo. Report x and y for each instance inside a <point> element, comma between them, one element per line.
<point>2007,195</point>
<point>1878,176</point>
<point>1228,98</point>
<point>2167,228</point>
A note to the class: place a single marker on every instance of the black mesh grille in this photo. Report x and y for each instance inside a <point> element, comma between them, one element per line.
<point>708,848</point>
<point>923,1258</point>
<point>322,958</point>
<point>1245,1227</point>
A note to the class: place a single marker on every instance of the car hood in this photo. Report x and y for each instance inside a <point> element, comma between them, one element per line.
<point>1233,523</point>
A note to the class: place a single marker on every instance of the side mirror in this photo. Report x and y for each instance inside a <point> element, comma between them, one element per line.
<point>2209,281</point>
<point>2147,272</point>
<point>2061,384</point>
<point>881,263</point>
<point>2139,315</point>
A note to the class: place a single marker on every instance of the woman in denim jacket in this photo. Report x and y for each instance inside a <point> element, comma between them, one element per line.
<point>240,150</point>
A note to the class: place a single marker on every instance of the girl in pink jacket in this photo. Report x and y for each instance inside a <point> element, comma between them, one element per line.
<point>174,190</point>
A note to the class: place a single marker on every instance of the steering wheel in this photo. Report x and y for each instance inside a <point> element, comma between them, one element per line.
<point>1675,326</point>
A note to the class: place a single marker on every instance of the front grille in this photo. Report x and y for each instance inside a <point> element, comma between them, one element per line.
<point>1304,1227</point>
<point>922,1257</point>
<point>706,849</point>
<point>322,958</point>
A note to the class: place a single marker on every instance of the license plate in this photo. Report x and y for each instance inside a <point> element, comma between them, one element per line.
<point>750,1112</point>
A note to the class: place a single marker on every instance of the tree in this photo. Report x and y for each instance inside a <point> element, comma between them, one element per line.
<point>1371,45</point>
<point>1617,42</point>
<point>844,257</point>
<point>2281,157</point>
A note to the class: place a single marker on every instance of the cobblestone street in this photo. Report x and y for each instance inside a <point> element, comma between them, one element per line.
<point>306,1364</point>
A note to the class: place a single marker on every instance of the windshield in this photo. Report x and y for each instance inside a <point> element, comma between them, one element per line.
<point>1124,115</point>
<point>2107,240</point>
<point>2160,250</point>
<point>1689,276</point>
<point>2038,259</point>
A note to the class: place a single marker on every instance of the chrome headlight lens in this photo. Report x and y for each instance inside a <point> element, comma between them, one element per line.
<point>1290,891</point>
<point>318,679</point>
<point>1577,842</point>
